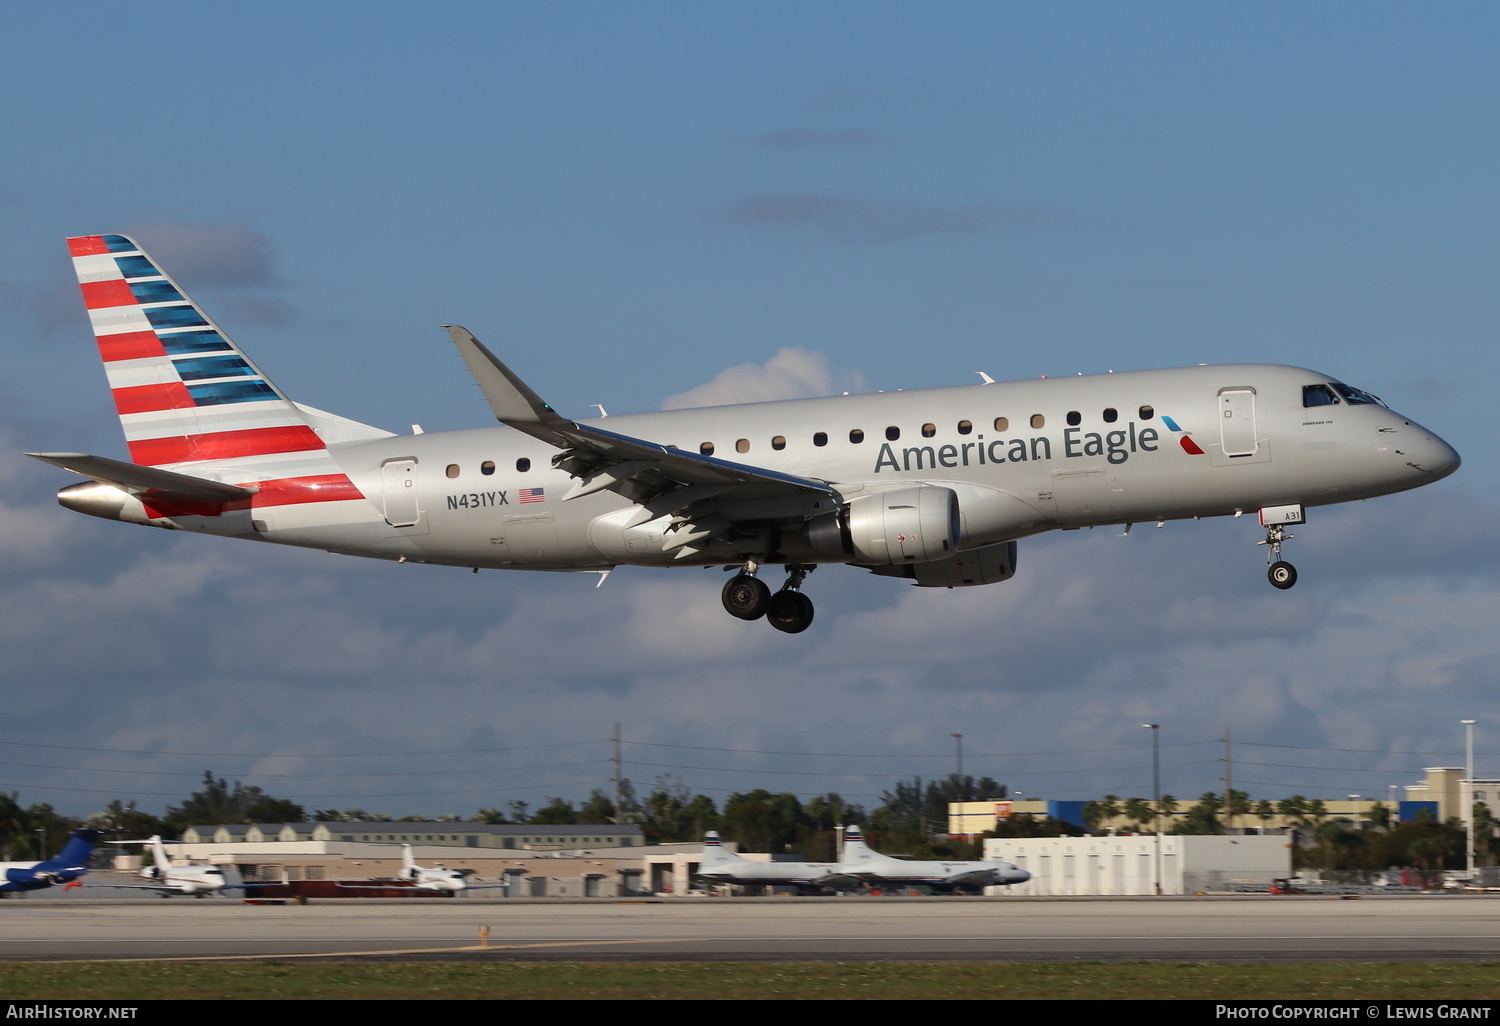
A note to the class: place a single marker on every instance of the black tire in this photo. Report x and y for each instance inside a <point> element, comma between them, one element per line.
<point>1282,575</point>
<point>746,597</point>
<point>790,612</point>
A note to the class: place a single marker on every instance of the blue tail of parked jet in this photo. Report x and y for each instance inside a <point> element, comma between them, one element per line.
<point>65,868</point>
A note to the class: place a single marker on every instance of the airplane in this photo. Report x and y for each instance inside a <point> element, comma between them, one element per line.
<point>422,878</point>
<point>199,881</point>
<point>861,861</point>
<point>65,868</point>
<point>720,866</point>
<point>932,486</point>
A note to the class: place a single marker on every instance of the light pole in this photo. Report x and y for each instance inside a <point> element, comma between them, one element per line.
<point>1469,803</point>
<point>959,740</point>
<point>1156,795</point>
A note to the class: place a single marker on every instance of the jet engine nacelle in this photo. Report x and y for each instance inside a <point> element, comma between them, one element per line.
<point>989,565</point>
<point>901,526</point>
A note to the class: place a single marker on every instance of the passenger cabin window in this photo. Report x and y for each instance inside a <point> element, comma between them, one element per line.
<point>1074,418</point>
<point>821,438</point>
<point>856,436</point>
<point>743,445</point>
<point>1111,415</point>
<point>779,442</point>
<point>523,464</point>
<point>453,470</point>
<point>964,427</point>
<point>707,448</point>
<point>928,430</point>
<point>892,433</point>
<point>1147,412</point>
<point>1318,395</point>
<point>1037,420</point>
<point>487,467</point>
<point>1002,423</point>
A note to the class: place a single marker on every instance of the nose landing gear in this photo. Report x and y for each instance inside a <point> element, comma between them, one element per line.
<point>1274,519</point>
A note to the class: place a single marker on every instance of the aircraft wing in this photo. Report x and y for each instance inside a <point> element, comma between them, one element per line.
<point>159,888</point>
<point>661,478</point>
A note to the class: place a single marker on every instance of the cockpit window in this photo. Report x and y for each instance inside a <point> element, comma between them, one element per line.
<point>1355,397</point>
<point>1318,395</point>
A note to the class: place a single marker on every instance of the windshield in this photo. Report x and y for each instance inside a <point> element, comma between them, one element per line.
<point>1355,397</point>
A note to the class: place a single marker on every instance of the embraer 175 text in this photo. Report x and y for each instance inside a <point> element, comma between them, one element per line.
<point>931,485</point>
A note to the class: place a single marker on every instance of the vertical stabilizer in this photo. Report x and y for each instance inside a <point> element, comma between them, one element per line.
<point>189,399</point>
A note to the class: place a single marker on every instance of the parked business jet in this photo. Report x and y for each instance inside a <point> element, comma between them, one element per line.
<point>65,868</point>
<point>423,878</point>
<point>199,881</point>
<point>934,485</point>
<point>864,863</point>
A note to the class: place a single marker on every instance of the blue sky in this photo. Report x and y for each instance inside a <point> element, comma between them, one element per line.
<point>629,201</point>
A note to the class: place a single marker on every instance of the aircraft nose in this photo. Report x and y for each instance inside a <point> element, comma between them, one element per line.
<point>1442,459</point>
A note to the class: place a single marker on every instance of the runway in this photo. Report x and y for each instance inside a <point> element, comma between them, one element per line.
<point>1274,929</point>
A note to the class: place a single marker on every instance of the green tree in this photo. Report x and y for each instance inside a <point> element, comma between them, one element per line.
<point>555,813</point>
<point>1202,818</point>
<point>762,821</point>
<point>216,802</point>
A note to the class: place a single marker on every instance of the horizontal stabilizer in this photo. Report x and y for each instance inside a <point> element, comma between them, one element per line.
<point>137,479</point>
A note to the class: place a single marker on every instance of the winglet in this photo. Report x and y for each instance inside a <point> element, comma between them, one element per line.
<point>511,400</point>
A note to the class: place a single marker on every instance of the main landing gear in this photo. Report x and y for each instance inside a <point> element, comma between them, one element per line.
<point>749,598</point>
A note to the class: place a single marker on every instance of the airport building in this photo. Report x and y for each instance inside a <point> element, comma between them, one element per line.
<point>606,872</point>
<point>1133,863</point>
<point>510,836</point>
<point>1442,794</point>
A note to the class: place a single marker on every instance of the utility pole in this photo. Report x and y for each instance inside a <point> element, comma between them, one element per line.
<point>1469,795</point>
<point>617,773</point>
<point>1228,791</point>
<point>1156,795</point>
<point>959,738</point>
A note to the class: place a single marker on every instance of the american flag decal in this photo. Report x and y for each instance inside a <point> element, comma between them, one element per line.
<point>533,495</point>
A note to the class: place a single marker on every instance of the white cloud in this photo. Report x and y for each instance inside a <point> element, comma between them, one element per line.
<point>790,374</point>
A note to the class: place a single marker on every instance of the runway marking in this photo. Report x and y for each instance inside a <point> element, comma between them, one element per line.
<point>396,951</point>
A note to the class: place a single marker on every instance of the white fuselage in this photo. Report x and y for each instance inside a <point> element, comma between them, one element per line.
<point>1021,458</point>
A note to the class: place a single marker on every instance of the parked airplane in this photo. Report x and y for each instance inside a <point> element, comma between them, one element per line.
<point>422,878</point>
<point>199,881</point>
<point>934,486</point>
<point>866,864</point>
<point>720,866</point>
<point>65,868</point>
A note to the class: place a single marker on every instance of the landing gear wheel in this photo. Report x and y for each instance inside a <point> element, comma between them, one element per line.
<point>1282,574</point>
<point>746,597</point>
<point>791,612</point>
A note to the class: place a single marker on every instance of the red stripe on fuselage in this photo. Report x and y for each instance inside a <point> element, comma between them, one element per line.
<point>87,245</point>
<point>130,345</point>
<point>221,445</point>
<point>170,395</point>
<point>290,491</point>
<point>98,295</point>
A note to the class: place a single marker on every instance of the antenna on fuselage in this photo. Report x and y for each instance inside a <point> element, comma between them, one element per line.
<point>985,377</point>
